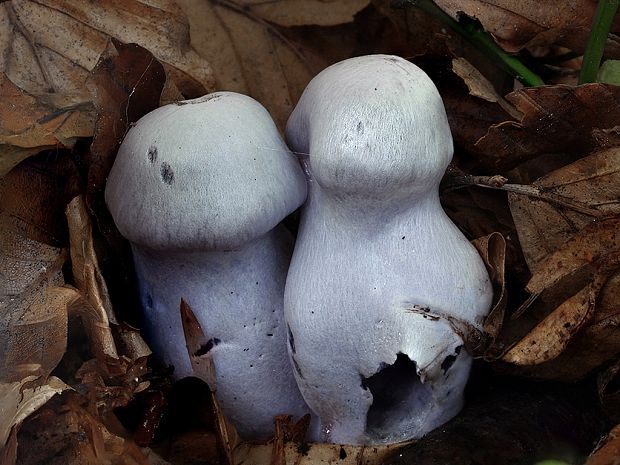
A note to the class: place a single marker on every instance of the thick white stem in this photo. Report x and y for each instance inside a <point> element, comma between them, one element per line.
<point>237,297</point>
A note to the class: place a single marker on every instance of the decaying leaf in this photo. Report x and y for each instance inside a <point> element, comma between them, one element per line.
<point>65,432</point>
<point>551,336</point>
<point>96,308</point>
<point>204,368</point>
<point>20,399</point>
<point>609,391</point>
<point>304,12</point>
<point>555,119</point>
<point>249,54</point>
<point>516,25</point>
<point>126,84</point>
<point>29,125</point>
<point>543,224</point>
<point>492,249</point>
<point>48,49</point>
<point>479,86</point>
<point>311,454</point>
<point>577,256</point>
<point>580,333</point>
<point>608,450</point>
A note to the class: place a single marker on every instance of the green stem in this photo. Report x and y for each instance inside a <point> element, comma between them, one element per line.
<point>604,16</point>
<point>483,42</point>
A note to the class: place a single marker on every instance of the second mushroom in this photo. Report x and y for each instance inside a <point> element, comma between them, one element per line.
<point>379,272</point>
<point>199,188</point>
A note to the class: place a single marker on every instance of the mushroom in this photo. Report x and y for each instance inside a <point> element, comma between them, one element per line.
<point>381,282</point>
<point>199,188</point>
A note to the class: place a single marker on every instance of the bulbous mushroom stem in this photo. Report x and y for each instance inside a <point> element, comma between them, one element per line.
<point>378,270</point>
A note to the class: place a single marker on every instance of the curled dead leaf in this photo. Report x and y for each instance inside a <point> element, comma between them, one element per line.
<point>20,399</point>
<point>49,49</point>
<point>204,368</point>
<point>492,249</point>
<point>543,224</point>
<point>555,119</point>
<point>577,256</point>
<point>516,25</point>
<point>479,86</point>
<point>306,12</point>
<point>249,54</point>
<point>29,125</point>
<point>65,431</point>
<point>608,450</point>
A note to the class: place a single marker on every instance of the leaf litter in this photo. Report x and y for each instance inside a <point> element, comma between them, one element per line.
<point>535,178</point>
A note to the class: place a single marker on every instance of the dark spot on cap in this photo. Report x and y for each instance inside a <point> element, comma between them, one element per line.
<point>167,175</point>
<point>149,301</point>
<point>152,154</point>
<point>360,127</point>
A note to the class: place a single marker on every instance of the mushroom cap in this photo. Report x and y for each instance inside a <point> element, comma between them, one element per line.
<point>372,124</point>
<point>205,174</point>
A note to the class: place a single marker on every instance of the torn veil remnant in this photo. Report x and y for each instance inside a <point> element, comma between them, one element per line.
<point>373,244</point>
<point>199,188</point>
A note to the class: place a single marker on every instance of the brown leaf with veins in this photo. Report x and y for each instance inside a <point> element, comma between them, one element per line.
<point>252,56</point>
<point>33,303</point>
<point>555,119</point>
<point>304,12</point>
<point>204,368</point>
<point>20,399</point>
<point>65,432</point>
<point>517,25</point>
<point>48,49</point>
<point>29,124</point>
<point>580,333</point>
<point>492,249</point>
<point>608,450</point>
<point>543,225</point>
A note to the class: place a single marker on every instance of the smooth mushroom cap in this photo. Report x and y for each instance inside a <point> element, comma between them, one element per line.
<point>375,126</point>
<point>209,173</point>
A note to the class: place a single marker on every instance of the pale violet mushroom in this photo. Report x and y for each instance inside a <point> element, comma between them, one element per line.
<point>199,188</point>
<point>380,276</point>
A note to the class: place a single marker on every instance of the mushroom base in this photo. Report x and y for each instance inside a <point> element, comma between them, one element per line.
<point>237,298</point>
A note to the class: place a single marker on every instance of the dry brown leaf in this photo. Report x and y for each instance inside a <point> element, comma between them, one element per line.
<point>479,86</point>
<point>304,12</point>
<point>249,54</point>
<point>204,368</point>
<point>550,337</point>
<point>608,450</point>
<point>84,265</point>
<point>580,334</point>
<point>29,124</point>
<point>577,256</point>
<point>64,432</point>
<point>95,308</point>
<point>555,119</point>
<point>543,225</point>
<point>609,392</point>
<point>516,25</point>
<point>33,325</point>
<point>48,49</point>
<point>492,249</point>
<point>126,84</point>
<point>311,454</point>
<point>34,196</point>
<point>20,399</point>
